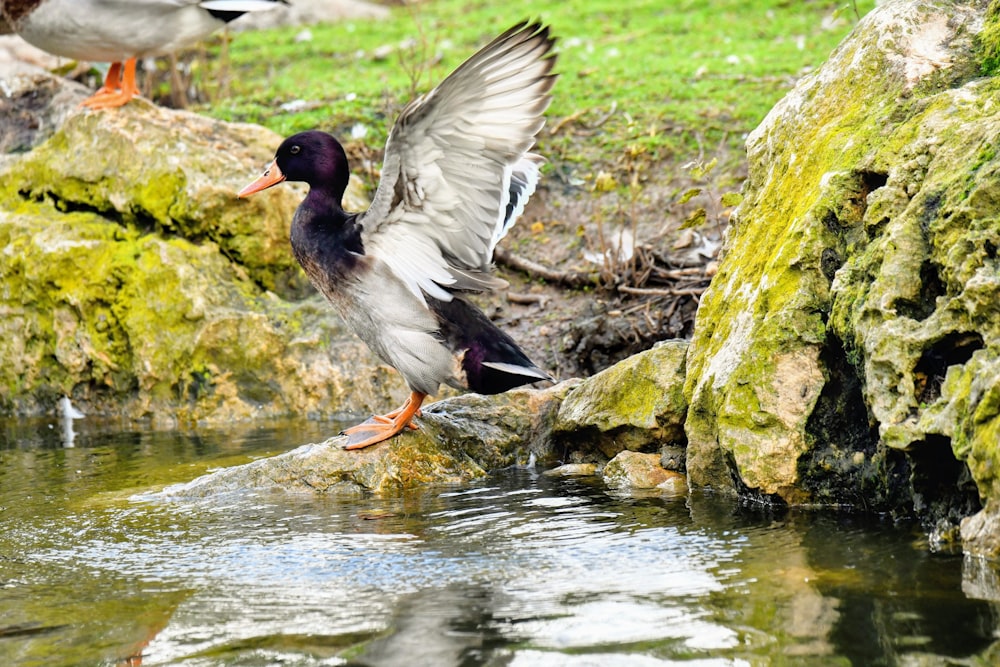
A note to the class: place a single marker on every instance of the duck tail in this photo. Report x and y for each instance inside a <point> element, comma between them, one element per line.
<point>490,359</point>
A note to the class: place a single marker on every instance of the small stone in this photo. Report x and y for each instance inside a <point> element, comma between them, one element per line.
<point>672,457</point>
<point>674,485</point>
<point>572,470</point>
<point>634,470</point>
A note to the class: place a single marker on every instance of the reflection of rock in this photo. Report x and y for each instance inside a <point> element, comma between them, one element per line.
<point>848,349</point>
<point>980,580</point>
<point>424,628</point>
<point>67,413</point>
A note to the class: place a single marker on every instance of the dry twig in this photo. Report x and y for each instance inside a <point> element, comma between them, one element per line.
<point>536,270</point>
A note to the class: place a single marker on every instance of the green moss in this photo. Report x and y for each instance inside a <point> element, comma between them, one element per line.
<point>988,41</point>
<point>812,168</point>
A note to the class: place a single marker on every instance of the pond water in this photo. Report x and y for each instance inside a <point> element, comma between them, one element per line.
<point>517,569</point>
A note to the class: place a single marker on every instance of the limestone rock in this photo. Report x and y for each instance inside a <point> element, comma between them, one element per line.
<point>636,404</point>
<point>402,463</point>
<point>572,470</point>
<point>125,287</point>
<point>172,172</point>
<point>634,470</point>
<point>459,438</point>
<point>858,273</point>
<point>497,431</point>
<point>981,532</point>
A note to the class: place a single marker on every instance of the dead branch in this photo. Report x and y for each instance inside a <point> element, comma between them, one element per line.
<point>665,291</point>
<point>527,299</point>
<point>566,121</point>
<point>536,270</point>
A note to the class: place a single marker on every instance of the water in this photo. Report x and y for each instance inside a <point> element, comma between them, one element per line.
<point>518,569</point>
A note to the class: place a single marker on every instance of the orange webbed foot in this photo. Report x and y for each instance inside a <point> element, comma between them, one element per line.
<point>119,87</point>
<point>382,427</point>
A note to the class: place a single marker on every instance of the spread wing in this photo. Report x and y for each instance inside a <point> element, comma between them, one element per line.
<point>457,171</point>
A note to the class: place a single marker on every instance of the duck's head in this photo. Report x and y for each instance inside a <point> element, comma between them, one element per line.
<point>312,157</point>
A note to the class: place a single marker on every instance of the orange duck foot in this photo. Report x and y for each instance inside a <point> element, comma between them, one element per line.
<point>382,427</point>
<point>119,87</point>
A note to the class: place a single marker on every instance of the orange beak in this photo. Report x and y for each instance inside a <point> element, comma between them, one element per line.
<point>271,176</point>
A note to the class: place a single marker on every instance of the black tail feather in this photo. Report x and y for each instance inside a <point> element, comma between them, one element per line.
<point>491,360</point>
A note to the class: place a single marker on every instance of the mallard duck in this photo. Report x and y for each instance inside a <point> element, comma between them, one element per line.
<point>456,175</point>
<point>119,31</point>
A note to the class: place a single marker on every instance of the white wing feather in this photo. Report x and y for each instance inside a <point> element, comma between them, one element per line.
<point>457,171</point>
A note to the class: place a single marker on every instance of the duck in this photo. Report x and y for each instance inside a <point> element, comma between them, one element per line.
<point>456,174</point>
<point>119,32</point>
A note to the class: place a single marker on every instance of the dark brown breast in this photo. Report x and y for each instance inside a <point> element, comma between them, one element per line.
<point>15,10</point>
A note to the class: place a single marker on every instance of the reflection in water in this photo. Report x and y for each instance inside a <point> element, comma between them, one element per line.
<point>67,413</point>
<point>519,569</point>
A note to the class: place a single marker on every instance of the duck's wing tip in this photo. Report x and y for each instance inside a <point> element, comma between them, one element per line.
<point>457,170</point>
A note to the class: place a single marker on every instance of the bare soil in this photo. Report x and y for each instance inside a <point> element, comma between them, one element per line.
<point>575,303</point>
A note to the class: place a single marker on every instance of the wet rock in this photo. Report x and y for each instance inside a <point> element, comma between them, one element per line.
<point>636,404</point>
<point>459,439</point>
<point>844,352</point>
<point>672,457</point>
<point>981,532</point>
<point>497,431</point>
<point>572,470</point>
<point>402,463</point>
<point>634,470</point>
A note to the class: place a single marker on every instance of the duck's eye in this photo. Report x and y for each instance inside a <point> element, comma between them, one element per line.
<point>294,150</point>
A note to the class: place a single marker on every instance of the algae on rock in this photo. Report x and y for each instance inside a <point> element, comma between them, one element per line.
<point>858,273</point>
<point>637,404</point>
<point>135,282</point>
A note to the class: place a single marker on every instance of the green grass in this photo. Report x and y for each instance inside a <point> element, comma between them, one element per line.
<point>674,79</point>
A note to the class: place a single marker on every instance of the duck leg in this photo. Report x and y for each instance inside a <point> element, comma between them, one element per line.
<point>119,87</point>
<point>383,427</point>
<point>112,82</point>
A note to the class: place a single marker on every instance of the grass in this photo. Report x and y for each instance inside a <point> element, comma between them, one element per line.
<point>673,81</point>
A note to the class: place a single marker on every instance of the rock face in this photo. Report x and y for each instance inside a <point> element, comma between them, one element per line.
<point>637,404</point>
<point>848,351</point>
<point>142,287</point>
<point>459,439</point>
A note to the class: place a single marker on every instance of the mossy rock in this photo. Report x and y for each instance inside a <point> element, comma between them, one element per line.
<point>139,325</point>
<point>174,173</point>
<point>135,282</point>
<point>860,266</point>
<point>637,404</point>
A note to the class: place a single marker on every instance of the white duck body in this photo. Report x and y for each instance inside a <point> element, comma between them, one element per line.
<point>116,30</point>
